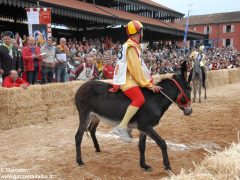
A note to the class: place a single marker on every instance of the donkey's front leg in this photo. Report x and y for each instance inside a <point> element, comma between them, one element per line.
<point>194,91</point>
<point>205,89</point>
<point>199,91</point>
<point>142,146</point>
<point>162,144</point>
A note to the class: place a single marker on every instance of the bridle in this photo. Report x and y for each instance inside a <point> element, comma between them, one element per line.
<point>181,95</point>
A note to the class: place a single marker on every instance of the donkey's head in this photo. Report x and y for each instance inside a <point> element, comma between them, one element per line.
<point>184,96</point>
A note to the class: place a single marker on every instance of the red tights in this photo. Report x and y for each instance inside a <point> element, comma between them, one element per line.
<point>135,94</point>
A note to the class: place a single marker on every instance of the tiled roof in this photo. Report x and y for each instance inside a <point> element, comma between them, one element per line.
<point>158,5</point>
<point>213,18</point>
<point>116,14</point>
<point>77,5</point>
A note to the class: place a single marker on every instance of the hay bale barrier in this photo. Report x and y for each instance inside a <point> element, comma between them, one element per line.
<point>41,103</point>
<point>219,165</point>
<point>37,104</point>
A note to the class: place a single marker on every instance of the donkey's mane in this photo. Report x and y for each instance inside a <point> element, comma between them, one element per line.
<point>178,77</point>
<point>174,76</point>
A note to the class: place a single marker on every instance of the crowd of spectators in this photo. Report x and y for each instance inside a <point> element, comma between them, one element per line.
<point>66,60</point>
<point>223,58</point>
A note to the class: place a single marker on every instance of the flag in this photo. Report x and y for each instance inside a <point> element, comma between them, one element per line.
<point>39,16</point>
<point>185,32</point>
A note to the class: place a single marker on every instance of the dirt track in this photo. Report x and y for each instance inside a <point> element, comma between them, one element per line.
<point>48,149</point>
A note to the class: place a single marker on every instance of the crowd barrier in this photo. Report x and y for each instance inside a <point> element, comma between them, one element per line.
<point>43,103</point>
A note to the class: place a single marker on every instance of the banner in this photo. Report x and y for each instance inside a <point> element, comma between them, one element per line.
<point>186,32</point>
<point>45,16</point>
<point>39,23</point>
<point>39,32</point>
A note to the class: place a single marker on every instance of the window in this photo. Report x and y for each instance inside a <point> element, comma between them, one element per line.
<point>228,42</point>
<point>228,28</point>
<point>208,30</point>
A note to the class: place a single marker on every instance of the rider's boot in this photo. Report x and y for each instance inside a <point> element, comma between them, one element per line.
<point>122,130</point>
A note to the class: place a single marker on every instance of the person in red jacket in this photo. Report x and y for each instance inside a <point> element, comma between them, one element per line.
<point>32,60</point>
<point>14,81</point>
<point>108,69</point>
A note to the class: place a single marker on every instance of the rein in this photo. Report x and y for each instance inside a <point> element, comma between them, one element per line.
<point>182,94</point>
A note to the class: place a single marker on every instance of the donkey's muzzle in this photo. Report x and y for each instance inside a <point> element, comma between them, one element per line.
<point>187,111</point>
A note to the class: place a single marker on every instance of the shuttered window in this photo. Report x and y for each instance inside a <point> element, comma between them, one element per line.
<point>231,42</point>
<point>224,42</point>
<point>224,29</point>
<point>232,28</point>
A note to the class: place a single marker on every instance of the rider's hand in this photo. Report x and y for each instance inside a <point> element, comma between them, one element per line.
<point>156,89</point>
<point>114,88</point>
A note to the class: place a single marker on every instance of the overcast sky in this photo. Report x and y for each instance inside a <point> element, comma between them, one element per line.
<point>200,7</point>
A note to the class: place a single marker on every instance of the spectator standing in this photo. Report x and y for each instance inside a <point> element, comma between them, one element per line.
<point>49,59</point>
<point>9,57</point>
<point>19,40</point>
<point>32,60</point>
<point>15,44</point>
<point>61,65</point>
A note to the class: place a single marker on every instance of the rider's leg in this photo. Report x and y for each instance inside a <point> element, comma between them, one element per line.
<point>203,76</point>
<point>135,94</point>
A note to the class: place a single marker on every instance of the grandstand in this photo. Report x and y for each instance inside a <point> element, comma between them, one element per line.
<point>91,18</point>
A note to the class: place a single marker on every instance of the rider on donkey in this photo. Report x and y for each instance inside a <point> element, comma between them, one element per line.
<point>130,74</point>
<point>201,59</point>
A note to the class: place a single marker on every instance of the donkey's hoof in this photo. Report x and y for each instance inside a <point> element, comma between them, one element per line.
<point>147,168</point>
<point>80,163</point>
<point>98,150</point>
<point>167,168</point>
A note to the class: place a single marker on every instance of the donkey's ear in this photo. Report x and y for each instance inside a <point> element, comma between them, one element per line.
<point>184,69</point>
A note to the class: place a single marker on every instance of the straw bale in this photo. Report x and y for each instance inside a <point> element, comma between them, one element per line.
<point>53,101</point>
<point>60,112</point>
<point>233,76</point>
<point>217,78</point>
<point>222,165</point>
<point>21,119</point>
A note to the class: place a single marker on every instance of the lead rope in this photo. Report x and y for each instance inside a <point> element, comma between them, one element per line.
<point>181,107</point>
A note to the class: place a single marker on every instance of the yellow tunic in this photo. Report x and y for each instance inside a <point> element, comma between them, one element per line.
<point>135,75</point>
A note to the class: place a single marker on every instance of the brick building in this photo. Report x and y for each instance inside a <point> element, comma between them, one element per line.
<point>223,29</point>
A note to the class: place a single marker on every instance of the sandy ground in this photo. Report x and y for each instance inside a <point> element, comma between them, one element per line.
<point>48,149</point>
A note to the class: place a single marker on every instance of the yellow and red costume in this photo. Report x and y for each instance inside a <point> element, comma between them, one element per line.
<point>130,74</point>
<point>135,76</point>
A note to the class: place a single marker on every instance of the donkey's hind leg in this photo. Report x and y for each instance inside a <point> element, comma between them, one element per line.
<point>194,90</point>
<point>92,128</point>
<point>199,90</point>
<point>205,91</point>
<point>84,121</point>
